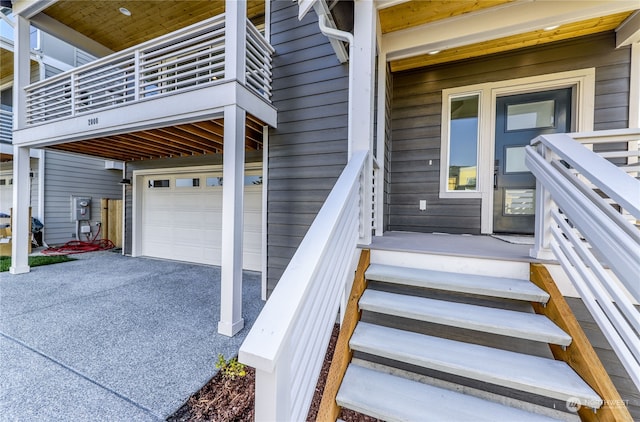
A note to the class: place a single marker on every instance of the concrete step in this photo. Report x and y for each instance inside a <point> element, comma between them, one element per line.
<point>473,317</point>
<point>532,374</point>
<point>393,398</point>
<point>507,288</point>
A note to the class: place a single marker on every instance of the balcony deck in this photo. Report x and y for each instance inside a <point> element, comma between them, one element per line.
<point>178,78</point>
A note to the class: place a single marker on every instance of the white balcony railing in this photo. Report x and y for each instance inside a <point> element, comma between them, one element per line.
<point>6,126</point>
<point>190,58</point>
<point>588,212</point>
<point>288,341</point>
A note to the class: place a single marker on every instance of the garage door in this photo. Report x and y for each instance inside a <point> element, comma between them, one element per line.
<point>182,218</point>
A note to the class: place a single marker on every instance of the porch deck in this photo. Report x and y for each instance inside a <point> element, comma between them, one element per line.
<point>515,248</point>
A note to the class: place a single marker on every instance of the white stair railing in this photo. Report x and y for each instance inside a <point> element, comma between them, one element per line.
<point>288,341</point>
<point>588,210</point>
<point>6,126</point>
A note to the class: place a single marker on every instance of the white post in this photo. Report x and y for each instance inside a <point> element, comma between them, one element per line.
<point>381,142</point>
<point>361,112</point>
<point>231,320</point>
<point>235,40</point>
<point>541,248</point>
<point>21,155</point>
<point>20,224</point>
<point>273,394</point>
<point>21,70</point>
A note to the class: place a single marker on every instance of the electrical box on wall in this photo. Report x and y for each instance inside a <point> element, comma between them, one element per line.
<point>80,208</point>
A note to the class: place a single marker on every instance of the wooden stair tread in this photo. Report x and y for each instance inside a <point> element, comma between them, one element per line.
<point>480,318</point>
<point>536,375</point>
<point>507,288</point>
<point>393,398</point>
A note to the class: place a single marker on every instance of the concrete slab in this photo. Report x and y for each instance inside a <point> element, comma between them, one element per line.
<point>143,332</point>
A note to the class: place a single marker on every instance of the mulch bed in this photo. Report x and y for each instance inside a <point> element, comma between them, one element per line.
<point>232,400</point>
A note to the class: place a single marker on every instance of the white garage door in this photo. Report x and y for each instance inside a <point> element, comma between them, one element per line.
<point>182,218</point>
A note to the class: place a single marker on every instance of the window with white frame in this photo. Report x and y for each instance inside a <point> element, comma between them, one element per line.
<point>460,151</point>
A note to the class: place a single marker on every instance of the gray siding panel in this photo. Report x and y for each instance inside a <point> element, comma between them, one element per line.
<point>67,175</point>
<point>308,150</point>
<point>416,120</point>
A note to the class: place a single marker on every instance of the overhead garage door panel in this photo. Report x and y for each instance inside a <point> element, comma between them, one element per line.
<point>185,223</point>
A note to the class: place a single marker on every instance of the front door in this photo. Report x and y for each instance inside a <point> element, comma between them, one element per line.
<point>519,119</point>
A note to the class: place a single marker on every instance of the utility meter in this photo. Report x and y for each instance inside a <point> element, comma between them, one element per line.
<point>81,208</point>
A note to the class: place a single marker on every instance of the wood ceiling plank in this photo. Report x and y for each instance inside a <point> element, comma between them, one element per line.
<point>410,14</point>
<point>529,39</point>
<point>102,21</point>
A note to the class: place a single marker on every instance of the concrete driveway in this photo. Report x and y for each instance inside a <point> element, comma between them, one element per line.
<point>111,338</point>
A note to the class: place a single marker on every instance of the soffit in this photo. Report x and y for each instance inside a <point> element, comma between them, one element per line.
<point>192,139</point>
<point>412,14</point>
<point>6,65</point>
<point>6,61</point>
<point>102,21</point>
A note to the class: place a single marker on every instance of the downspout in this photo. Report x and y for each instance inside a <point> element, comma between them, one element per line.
<point>346,37</point>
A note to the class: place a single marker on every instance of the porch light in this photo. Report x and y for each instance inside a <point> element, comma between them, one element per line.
<point>125,182</point>
<point>434,52</point>
<point>125,11</point>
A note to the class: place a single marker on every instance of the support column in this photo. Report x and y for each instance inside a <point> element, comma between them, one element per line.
<point>231,320</point>
<point>361,112</point>
<point>235,40</point>
<point>20,224</point>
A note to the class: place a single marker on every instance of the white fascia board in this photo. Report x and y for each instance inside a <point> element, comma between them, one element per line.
<point>497,22</point>
<point>304,6</point>
<point>63,32</point>
<point>629,31</point>
<point>30,8</point>
<point>384,4</point>
<point>191,106</point>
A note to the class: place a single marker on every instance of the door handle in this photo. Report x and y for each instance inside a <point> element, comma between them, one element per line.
<point>495,180</point>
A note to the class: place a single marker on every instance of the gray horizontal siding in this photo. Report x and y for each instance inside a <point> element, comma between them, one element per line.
<point>67,175</point>
<point>308,150</point>
<point>416,121</point>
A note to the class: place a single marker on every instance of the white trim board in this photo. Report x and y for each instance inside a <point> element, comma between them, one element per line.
<point>584,101</point>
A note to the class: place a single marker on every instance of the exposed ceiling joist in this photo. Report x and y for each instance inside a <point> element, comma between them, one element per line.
<point>492,23</point>
<point>64,33</point>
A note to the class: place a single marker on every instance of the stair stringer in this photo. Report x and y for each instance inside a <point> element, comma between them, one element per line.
<point>580,354</point>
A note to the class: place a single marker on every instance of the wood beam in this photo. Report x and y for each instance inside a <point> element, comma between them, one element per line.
<point>329,409</point>
<point>64,33</point>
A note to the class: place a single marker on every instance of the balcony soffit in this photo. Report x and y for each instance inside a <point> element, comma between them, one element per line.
<point>6,65</point>
<point>411,14</point>
<point>184,140</point>
<point>102,21</point>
